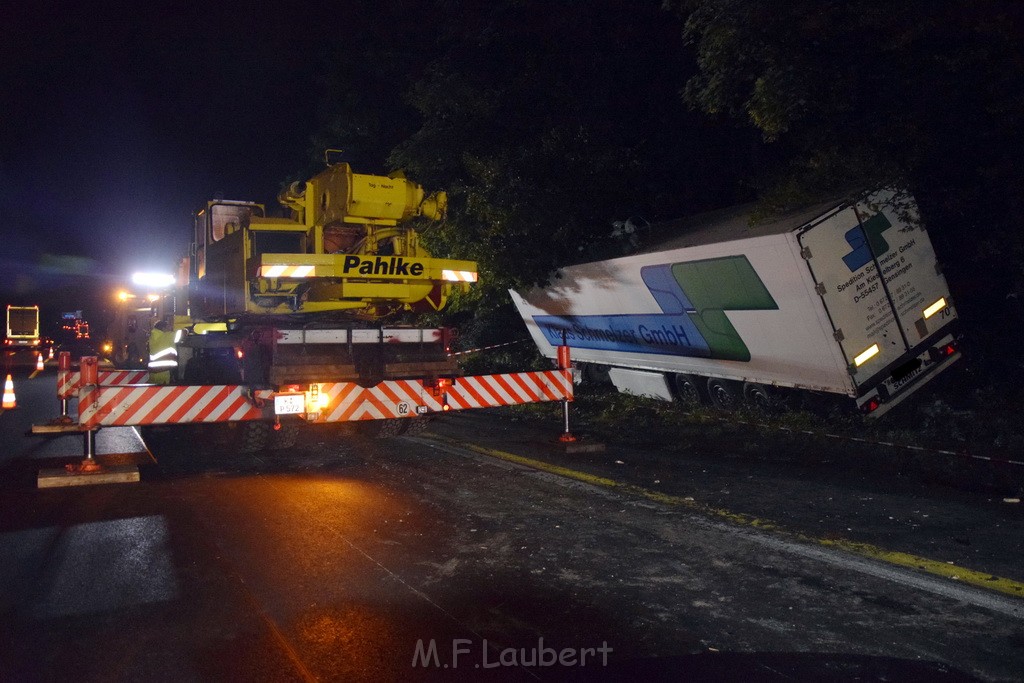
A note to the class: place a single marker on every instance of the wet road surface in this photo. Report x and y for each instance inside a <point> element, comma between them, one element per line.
<point>348,558</point>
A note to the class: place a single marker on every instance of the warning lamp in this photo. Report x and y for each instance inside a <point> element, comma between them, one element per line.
<point>439,386</point>
<point>316,400</point>
<point>239,353</point>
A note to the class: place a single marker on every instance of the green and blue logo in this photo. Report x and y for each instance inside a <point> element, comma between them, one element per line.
<point>865,240</point>
<point>693,296</point>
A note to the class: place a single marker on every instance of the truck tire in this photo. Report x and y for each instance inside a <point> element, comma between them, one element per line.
<point>687,388</point>
<point>255,435</point>
<point>761,398</point>
<point>723,394</point>
<point>285,437</point>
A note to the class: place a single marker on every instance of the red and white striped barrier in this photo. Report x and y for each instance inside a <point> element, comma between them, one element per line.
<point>100,406</point>
<point>68,382</point>
<point>104,406</point>
<point>401,398</point>
<point>491,391</point>
<point>394,398</point>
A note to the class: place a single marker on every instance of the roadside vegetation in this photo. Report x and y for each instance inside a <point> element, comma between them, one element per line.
<point>940,436</point>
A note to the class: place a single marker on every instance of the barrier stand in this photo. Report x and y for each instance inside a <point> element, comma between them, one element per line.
<point>90,379</point>
<point>568,440</point>
<point>89,470</point>
<point>565,365</point>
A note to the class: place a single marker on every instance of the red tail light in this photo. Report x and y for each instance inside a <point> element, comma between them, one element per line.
<point>937,353</point>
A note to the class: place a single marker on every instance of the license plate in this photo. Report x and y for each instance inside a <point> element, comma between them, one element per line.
<point>289,404</point>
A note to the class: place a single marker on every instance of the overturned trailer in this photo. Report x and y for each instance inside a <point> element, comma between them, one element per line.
<point>844,297</point>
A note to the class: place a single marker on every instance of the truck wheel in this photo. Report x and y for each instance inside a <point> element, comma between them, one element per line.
<point>285,437</point>
<point>761,398</point>
<point>723,394</point>
<point>254,437</point>
<point>688,390</point>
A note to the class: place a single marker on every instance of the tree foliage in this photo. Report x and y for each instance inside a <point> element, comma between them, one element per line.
<point>924,94</point>
<point>546,122</point>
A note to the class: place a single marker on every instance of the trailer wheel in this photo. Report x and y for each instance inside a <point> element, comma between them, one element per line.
<point>760,397</point>
<point>254,437</point>
<point>723,394</point>
<point>688,390</point>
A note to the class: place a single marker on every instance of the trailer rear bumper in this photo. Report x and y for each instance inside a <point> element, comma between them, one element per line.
<point>895,389</point>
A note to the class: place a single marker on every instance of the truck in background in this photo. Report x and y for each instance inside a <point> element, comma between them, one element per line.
<point>845,297</point>
<point>22,328</point>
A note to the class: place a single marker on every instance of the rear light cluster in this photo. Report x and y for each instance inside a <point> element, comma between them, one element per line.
<point>944,351</point>
<point>871,406</point>
<point>935,354</point>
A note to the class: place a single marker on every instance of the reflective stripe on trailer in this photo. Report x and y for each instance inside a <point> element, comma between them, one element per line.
<point>100,406</point>
<point>69,382</point>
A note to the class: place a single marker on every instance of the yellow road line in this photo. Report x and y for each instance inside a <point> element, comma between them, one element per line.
<point>936,567</point>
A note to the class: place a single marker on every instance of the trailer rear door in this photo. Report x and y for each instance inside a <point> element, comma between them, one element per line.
<point>879,322</point>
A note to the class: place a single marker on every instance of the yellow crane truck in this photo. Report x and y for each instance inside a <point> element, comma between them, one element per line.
<point>277,301</point>
<point>275,321</point>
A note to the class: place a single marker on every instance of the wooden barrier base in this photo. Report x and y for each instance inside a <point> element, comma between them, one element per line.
<point>111,474</point>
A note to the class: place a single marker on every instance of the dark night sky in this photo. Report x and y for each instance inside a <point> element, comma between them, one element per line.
<point>120,121</point>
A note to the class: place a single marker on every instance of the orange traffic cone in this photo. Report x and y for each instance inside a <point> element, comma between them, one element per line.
<point>9,400</point>
<point>39,362</point>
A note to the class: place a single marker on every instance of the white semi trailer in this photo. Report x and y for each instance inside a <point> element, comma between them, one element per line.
<point>844,297</point>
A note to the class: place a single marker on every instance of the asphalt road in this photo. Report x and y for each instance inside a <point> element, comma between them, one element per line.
<point>444,557</point>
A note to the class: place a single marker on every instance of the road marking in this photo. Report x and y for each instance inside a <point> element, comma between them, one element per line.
<point>798,541</point>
